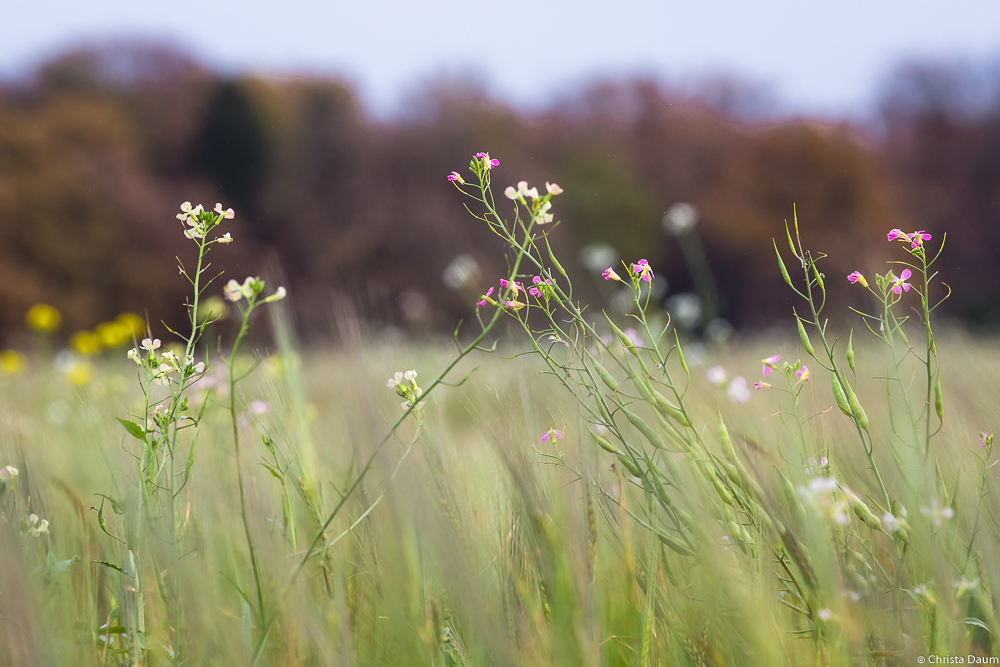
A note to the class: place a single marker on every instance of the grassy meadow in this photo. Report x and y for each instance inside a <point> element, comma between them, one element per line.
<point>555,486</point>
<point>483,549</point>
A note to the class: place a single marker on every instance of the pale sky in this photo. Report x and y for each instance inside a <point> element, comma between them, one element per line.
<point>817,57</point>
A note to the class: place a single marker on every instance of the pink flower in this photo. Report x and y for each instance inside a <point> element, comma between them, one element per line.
<point>516,305</point>
<point>511,285</point>
<point>552,434</point>
<point>538,280</point>
<point>643,270</point>
<point>485,298</point>
<point>761,385</point>
<point>488,162</point>
<point>769,364</point>
<point>856,277</point>
<point>455,176</point>
<point>824,462</point>
<point>899,285</point>
<point>918,238</point>
<point>534,292</point>
<point>897,234</point>
<point>609,274</point>
<point>803,373</point>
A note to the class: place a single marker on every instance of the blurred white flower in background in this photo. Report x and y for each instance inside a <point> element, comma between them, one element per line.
<point>719,331</point>
<point>680,218</point>
<point>599,256</point>
<point>717,375</point>
<point>462,271</point>
<point>738,390</point>
<point>685,309</point>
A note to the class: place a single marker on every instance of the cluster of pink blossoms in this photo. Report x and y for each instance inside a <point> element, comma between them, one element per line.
<point>487,162</point>
<point>802,372</point>
<point>516,288</point>
<point>916,239</point>
<point>642,269</point>
<point>899,285</point>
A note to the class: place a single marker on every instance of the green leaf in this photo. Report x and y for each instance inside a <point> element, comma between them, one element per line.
<point>133,429</point>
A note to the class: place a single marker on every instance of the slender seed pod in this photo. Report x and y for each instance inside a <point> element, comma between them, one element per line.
<point>658,485</point>
<point>792,498</point>
<point>622,338</point>
<point>603,409</point>
<point>865,514</point>
<point>605,376</point>
<point>850,352</point>
<point>781,264</point>
<point>856,410</point>
<point>805,337</point>
<point>818,275</point>
<point>938,398</point>
<point>673,543</point>
<point>670,409</point>
<point>680,353</point>
<point>839,395</point>
<point>640,384</point>
<point>555,262</point>
<point>654,438</point>
<point>630,465</point>
<point>727,443</point>
<point>903,336</point>
<point>605,444</point>
<point>720,488</point>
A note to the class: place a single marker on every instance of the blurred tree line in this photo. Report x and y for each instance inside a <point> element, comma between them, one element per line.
<point>101,146</point>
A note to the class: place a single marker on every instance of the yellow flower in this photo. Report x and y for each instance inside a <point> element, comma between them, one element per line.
<point>136,324</point>
<point>86,343</point>
<point>113,334</point>
<point>212,308</point>
<point>80,373</point>
<point>43,317</point>
<point>13,362</point>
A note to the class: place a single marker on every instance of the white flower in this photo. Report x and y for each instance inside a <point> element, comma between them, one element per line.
<point>228,213</point>
<point>825,614</point>
<point>133,354</point>
<point>194,233</point>
<point>170,356</point>
<point>233,291</point>
<point>395,380</point>
<point>680,218</point>
<point>738,391</point>
<point>822,485</point>
<point>8,473</point>
<point>199,367</point>
<point>920,590</point>
<point>533,193</point>
<point>410,376</point>
<point>553,188</point>
<point>150,344</point>
<point>510,192</point>
<point>890,523</point>
<point>717,375</point>
<point>165,368</point>
<point>278,295</point>
<point>522,187</point>
<point>247,288</point>
<point>936,513</point>
<point>225,238</point>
